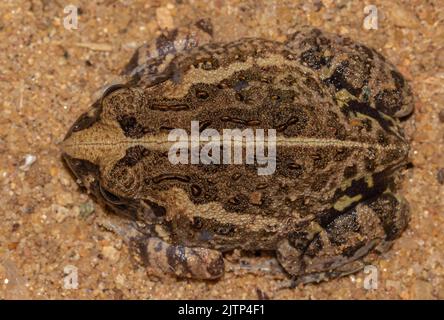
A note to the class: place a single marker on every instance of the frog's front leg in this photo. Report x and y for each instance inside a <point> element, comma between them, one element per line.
<point>153,57</point>
<point>343,245</point>
<point>150,61</point>
<point>159,256</point>
<point>178,260</point>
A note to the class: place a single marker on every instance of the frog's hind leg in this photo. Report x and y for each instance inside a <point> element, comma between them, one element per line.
<point>346,243</point>
<point>177,260</point>
<point>355,70</point>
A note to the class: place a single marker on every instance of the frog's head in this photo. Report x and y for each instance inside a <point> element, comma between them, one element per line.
<point>75,152</point>
<point>102,134</point>
<point>93,146</point>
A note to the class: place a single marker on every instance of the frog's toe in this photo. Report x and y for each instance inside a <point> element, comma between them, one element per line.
<point>186,262</point>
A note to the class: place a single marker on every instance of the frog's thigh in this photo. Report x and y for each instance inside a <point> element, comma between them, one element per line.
<point>343,245</point>
<point>162,257</point>
<point>356,68</point>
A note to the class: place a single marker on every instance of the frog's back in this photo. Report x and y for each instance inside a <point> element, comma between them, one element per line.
<point>333,150</point>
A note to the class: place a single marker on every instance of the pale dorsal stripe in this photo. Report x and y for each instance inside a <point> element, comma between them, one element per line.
<point>89,145</point>
<point>161,143</point>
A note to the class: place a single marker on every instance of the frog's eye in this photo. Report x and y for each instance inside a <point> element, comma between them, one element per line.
<point>110,197</point>
<point>86,120</point>
<point>83,122</point>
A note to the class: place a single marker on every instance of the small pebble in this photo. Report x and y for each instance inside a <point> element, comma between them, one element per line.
<point>164,18</point>
<point>111,253</point>
<point>60,212</point>
<point>121,279</point>
<point>401,15</point>
<point>423,290</point>
<point>86,209</point>
<point>29,160</point>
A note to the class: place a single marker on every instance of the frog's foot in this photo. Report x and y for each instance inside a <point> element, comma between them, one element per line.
<point>346,243</point>
<point>162,257</point>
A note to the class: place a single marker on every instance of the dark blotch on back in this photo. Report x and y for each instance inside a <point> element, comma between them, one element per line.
<point>363,108</point>
<point>131,128</point>
<point>133,155</point>
<point>314,58</point>
<point>237,203</point>
<point>350,172</point>
<point>341,76</point>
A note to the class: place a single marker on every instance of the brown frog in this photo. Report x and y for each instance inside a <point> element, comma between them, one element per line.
<point>331,203</point>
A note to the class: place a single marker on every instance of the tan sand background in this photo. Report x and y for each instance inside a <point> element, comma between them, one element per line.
<point>47,77</point>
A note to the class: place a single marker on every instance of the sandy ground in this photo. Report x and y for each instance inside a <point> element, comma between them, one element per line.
<point>48,75</point>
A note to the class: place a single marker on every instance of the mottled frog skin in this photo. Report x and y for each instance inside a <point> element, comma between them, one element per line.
<point>331,205</point>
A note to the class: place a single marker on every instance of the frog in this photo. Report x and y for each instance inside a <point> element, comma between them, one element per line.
<point>331,206</point>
